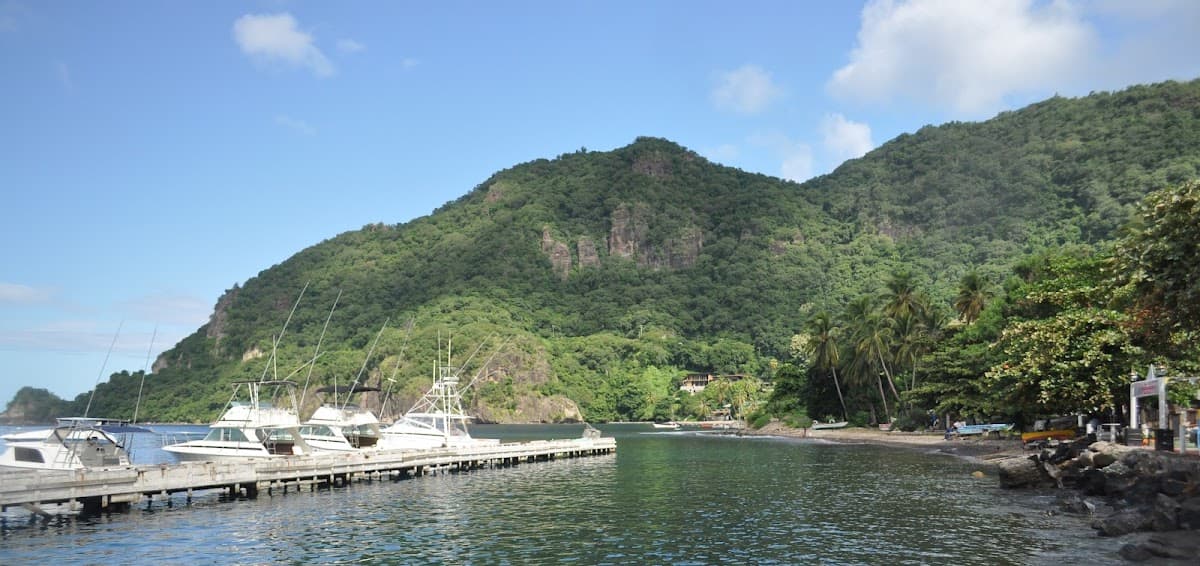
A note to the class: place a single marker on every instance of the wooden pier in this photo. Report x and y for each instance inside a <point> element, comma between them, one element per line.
<point>99,489</point>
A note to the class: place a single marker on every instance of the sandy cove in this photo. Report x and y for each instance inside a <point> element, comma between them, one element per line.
<point>981,449</point>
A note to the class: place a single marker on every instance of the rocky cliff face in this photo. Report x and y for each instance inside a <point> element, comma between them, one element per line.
<point>588,256</point>
<point>216,322</point>
<point>628,232</point>
<point>628,238</point>
<point>558,252</point>
<point>214,329</point>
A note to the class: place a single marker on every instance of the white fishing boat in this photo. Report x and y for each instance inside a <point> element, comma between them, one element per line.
<point>436,421</point>
<point>251,427</point>
<point>342,427</point>
<point>666,426</point>
<point>829,425</point>
<point>75,443</point>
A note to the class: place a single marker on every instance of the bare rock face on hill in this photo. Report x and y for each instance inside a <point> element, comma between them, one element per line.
<point>628,238</point>
<point>533,409</point>
<point>558,252</point>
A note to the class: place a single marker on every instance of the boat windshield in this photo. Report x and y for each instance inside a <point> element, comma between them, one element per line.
<point>317,430</point>
<point>226,434</point>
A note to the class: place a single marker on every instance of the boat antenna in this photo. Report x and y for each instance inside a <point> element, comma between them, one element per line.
<point>317,350</point>
<point>395,369</point>
<point>102,366</point>
<point>354,383</point>
<point>273,363</point>
<point>145,368</point>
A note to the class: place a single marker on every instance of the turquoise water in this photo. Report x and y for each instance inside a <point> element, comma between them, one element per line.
<point>663,498</point>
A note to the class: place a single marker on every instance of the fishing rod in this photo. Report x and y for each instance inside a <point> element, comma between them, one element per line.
<point>396,369</point>
<point>317,350</point>
<point>362,369</point>
<point>145,368</point>
<point>102,366</point>
<point>273,363</point>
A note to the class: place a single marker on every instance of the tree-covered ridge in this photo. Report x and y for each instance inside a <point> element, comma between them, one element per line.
<point>615,269</point>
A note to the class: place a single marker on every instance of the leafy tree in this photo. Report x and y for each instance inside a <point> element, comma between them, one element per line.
<point>1160,259</point>
<point>1077,356</point>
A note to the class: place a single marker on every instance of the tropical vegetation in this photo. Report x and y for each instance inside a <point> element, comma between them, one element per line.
<point>1013,268</point>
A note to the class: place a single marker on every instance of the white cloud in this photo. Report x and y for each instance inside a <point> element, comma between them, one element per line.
<point>409,62</point>
<point>796,157</point>
<point>22,294</point>
<point>965,55</point>
<point>723,153</point>
<point>270,38</point>
<point>845,139</point>
<point>747,90</point>
<point>350,46</point>
<point>1151,40</point>
<point>167,309</point>
<point>85,337</point>
<point>298,126</point>
<point>797,164</point>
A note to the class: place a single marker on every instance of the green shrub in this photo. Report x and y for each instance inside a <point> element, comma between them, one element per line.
<point>760,420</point>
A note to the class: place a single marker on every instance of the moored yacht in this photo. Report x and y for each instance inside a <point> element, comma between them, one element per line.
<point>250,427</point>
<point>436,421</point>
<point>76,442</point>
<point>341,428</point>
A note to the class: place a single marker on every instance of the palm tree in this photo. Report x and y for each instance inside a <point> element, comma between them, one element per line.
<point>871,335</point>
<point>972,296</point>
<point>911,341</point>
<point>824,349</point>
<point>902,297</point>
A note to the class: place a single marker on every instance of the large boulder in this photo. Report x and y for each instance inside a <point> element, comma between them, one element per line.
<point>1022,471</point>
<point>1189,513</point>
<point>1178,545</point>
<point>1165,514</point>
<point>1121,523</point>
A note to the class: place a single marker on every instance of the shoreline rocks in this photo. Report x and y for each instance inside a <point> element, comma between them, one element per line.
<point>1143,491</point>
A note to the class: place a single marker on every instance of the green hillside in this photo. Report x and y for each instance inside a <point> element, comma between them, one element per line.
<point>612,273</point>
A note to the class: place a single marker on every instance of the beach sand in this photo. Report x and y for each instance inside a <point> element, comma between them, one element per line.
<point>980,449</point>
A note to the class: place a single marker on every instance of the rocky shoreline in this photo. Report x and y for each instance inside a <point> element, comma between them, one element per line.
<point>1152,498</point>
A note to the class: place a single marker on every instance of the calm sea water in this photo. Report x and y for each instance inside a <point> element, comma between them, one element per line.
<point>663,498</point>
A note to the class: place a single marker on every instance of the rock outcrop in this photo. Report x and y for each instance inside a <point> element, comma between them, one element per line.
<point>588,256</point>
<point>558,252</point>
<point>1146,491</point>
<point>629,238</point>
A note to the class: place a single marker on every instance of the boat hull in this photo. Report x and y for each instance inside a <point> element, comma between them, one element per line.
<point>826,426</point>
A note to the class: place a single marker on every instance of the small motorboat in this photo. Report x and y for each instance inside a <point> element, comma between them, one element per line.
<point>77,442</point>
<point>821,426</point>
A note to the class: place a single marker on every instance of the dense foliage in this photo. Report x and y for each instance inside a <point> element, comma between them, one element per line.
<point>678,264</point>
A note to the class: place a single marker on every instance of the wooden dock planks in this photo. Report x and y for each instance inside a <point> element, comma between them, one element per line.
<point>131,483</point>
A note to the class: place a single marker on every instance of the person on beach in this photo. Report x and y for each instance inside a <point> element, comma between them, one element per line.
<point>1093,428</point>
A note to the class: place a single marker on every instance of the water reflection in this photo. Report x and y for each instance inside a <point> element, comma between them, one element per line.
<point>676,498</point>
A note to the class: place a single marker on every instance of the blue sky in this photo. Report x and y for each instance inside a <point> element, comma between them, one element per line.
<point>153,154</point>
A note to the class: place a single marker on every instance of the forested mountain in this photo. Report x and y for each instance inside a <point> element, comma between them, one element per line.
<point>610,274</point>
